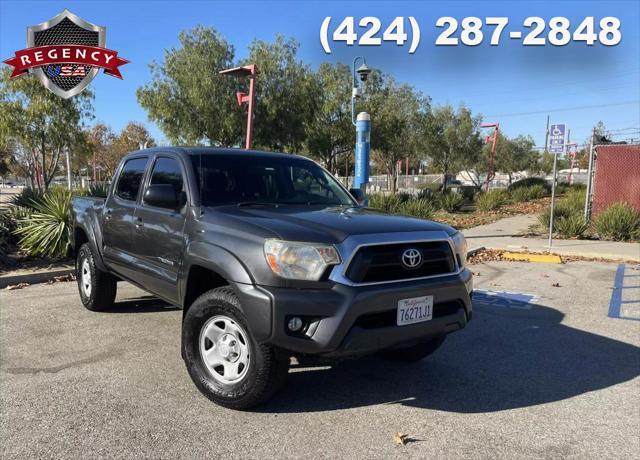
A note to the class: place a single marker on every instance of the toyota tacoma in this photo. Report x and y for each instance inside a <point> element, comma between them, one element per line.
<point>269,257</point>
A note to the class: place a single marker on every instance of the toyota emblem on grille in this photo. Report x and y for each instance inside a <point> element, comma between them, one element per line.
<point>411,258</point>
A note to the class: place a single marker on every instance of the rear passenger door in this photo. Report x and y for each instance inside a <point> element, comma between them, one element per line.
<point>158,233</point>
<point>119,209</point>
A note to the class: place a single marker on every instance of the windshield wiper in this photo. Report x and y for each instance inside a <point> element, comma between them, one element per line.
<point>243,204</point>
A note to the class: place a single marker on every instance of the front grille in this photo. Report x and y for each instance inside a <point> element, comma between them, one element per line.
<point>380,263</point>
<point>388,318</point>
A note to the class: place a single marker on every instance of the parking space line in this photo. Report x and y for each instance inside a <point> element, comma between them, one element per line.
<point>616,296</point>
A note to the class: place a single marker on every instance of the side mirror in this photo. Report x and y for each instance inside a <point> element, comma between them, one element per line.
<point>358,195</point>
<point>162,196</point>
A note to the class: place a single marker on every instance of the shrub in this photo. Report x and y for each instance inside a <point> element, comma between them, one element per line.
<point>574,199</point>
<point>533,192</point>
<point>451,201</point>
<point>389,203</point>
<point>385,203</point>
<point>98,190</point>
<point>571,225</point>
<point>421,208</point>
<point>561,210</point>
<point>529,182</point>
<point>491,200</point>
<point>46,231</point>
<point>26,198</point>
<point>619,222</point>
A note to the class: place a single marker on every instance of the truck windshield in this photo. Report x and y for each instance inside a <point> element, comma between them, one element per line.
<point>237,179</point>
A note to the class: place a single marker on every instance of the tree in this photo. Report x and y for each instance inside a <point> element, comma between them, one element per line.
<point>38,125</point>
<point>452,140</point>
<point>330,133</point>
<point>107,148</point>
<point>397,113</point>
<point>286,95</point>
<point>188,99</point>
<point>511,156</point>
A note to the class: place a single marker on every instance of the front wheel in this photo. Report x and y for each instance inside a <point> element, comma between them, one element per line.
<point>414,353</point>
<point>223,359</point>
<point>97,288</point>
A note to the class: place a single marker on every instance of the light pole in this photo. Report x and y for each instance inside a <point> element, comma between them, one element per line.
<point>494,140</point>
<point>363,127</point>
<point>250,71</point>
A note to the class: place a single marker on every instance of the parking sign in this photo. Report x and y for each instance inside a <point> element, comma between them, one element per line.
<point>556,138</point>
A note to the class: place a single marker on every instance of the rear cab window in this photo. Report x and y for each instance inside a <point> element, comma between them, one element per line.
<point>130,179</point>
<point>167,171</point>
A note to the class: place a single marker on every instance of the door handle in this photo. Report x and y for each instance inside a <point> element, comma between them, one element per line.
<point>138,223</point>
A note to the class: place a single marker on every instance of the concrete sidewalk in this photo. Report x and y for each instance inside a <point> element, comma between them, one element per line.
<point>507,234</point>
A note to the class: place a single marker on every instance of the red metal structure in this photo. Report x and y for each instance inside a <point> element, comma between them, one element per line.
<point>494,140</point>
<point>250,71</point>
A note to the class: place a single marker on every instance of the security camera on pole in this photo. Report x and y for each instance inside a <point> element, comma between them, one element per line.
<point>363,131</point>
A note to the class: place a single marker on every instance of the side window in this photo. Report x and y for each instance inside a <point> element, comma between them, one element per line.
<point>130,179</point>
<point>167,171</point>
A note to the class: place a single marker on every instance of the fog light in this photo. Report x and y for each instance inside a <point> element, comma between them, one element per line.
<point>295,324</point>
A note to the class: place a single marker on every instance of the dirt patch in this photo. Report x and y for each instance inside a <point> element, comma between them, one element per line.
<point>464,220</point>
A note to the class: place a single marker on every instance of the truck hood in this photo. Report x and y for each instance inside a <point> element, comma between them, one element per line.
<point>326,225</point>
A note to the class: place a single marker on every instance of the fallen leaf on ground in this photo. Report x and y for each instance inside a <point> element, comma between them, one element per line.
<point>400,439</point>
<point>13,287</point>
<point>62,278</point>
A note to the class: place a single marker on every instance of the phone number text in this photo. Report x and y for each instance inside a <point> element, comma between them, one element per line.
<point>470,31</point>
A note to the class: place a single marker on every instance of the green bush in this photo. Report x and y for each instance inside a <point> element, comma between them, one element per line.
<point>619,222</point>
<point>571,225</point>
<point>451,201</point>
<point>530,182</point>
<point>26,198</point>
<point>5,237</point>
<point>421,208</point>
<point>491,200</point>
<point>561,210</point>
<point>45,233</point>
<point>98,190</point>
<point>574,199</point>
<point>567,221</point>
<point>533,192</point>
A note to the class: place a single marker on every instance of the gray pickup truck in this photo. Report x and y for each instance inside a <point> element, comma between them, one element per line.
<point>269,257</point>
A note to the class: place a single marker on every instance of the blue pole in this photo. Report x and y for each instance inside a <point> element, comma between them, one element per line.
<point>363,146</point>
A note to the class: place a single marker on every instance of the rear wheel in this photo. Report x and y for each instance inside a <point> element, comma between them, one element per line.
<point>223,359</point>
<point>97,288</point>
<point>414,353</point>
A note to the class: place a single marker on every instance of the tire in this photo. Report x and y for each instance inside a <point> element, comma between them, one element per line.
<point>224,360</point>
<point>414,353</point>
<point>97,288</point>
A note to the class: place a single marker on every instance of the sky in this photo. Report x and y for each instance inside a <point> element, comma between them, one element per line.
<point>513,84</point>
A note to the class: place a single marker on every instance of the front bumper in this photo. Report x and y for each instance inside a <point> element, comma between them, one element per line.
<point>355,320</point>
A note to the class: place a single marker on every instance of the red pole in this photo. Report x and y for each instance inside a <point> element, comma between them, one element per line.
<point>494,140</point>
<point>252,96</point>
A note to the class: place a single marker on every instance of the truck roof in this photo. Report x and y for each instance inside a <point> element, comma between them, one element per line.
<point>217,151</point>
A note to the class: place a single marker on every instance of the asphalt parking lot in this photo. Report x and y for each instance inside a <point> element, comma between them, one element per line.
<point>542,371</point>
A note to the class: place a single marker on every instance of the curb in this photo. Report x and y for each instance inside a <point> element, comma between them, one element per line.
<point>474,251</point>
<point>567,253</point>
<point>34,278</point>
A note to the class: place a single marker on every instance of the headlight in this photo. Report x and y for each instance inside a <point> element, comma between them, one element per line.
<point>299,261</point>
<point>460,246</point>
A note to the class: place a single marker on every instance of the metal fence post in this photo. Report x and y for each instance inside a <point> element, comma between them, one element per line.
<point>587,199</point>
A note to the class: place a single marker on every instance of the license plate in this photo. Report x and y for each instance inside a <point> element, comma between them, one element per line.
<point>415,310</point>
